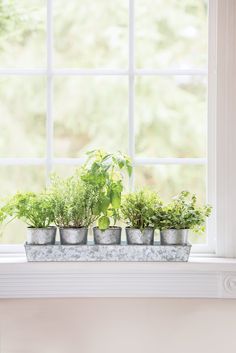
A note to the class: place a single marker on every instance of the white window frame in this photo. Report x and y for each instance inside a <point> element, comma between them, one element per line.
<point>50,72</point>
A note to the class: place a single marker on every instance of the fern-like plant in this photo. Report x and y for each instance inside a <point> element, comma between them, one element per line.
<point>140,208</point>
<point>73,201</point>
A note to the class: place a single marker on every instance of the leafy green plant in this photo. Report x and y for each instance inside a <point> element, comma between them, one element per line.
<point>104,171</point>
<point>183,213</point>
<point>73,201</point>
<point>33,209</point>
<point>139,209</point>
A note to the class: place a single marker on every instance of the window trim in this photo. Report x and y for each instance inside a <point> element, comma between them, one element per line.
<point>225,129</point>
<point>130,73</point>
<point>199,278</point>
<point>211,123</point>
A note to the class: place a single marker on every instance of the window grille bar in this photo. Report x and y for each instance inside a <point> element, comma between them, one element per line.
<point>131,88</point>
<point>79,161</point>
<point>49,115</point>
<point>159,161</point>
<point>99,72</point>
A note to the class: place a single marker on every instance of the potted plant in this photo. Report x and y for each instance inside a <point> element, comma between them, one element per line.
<point>73,201</point>
<point>179,216</point>
<point>138,211</point>
<point>104,172</point>
<point>36,211</point>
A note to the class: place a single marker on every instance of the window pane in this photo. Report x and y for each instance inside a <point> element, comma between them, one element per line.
<point>22,33</point>
<point>13,179</point>
<point>91,33</point>
<point>64,170</point>
<point>90,112</point>
<point>22,116</point>
<point>169,180</point>
<point>171,33</point>
<point>171,116</point>
<point>21,178</point>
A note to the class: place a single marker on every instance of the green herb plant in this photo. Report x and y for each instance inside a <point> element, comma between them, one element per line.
<point>183,213</point>
<point>73,201</point>
<point>33,209</point>
<point>105,172</point>
<point>139,209</point>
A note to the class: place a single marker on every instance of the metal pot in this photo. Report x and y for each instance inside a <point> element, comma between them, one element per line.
<point>73,236</point>
<point>41,236</point>
<point>110,236</point>
<point>138,237</point>
<point>174,236</point>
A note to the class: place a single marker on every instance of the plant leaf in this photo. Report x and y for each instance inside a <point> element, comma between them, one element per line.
<point>103,223</point>
<point>116,200</point>
<point>105,202</point>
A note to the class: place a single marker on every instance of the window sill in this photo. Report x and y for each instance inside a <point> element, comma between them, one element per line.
<point>201,277</point>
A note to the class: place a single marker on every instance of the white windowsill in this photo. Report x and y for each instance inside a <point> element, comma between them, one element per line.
<point>201,277</point>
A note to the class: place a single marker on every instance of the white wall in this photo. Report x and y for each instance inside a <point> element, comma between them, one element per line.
<point>117,325</point>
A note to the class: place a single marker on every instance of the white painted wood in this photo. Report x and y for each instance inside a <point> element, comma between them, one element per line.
<point>22,161</point>
<point>49,98</point>
<point>200,278</point>
<point>89,72</point>
<point>211,124</point>
<point>172,72</point>
<point>131,126</point>
<point>69,161</point>
<point>22,72</point>
<point>10,250</point>
<point>158,161</point>
<point>78,161</point>
<point>101,72</point>
<point>226,128</point>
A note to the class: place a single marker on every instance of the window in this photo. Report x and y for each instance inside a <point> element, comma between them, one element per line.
<point>121,75</point>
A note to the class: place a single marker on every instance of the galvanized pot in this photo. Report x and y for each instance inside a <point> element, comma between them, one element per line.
<point>110,236</point>
<point>41,236</point>
<point>139,237</point>
<point>73,236</point>
<point>174,236</point>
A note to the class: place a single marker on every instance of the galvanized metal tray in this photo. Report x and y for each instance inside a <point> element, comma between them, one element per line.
<point>92,253</point>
